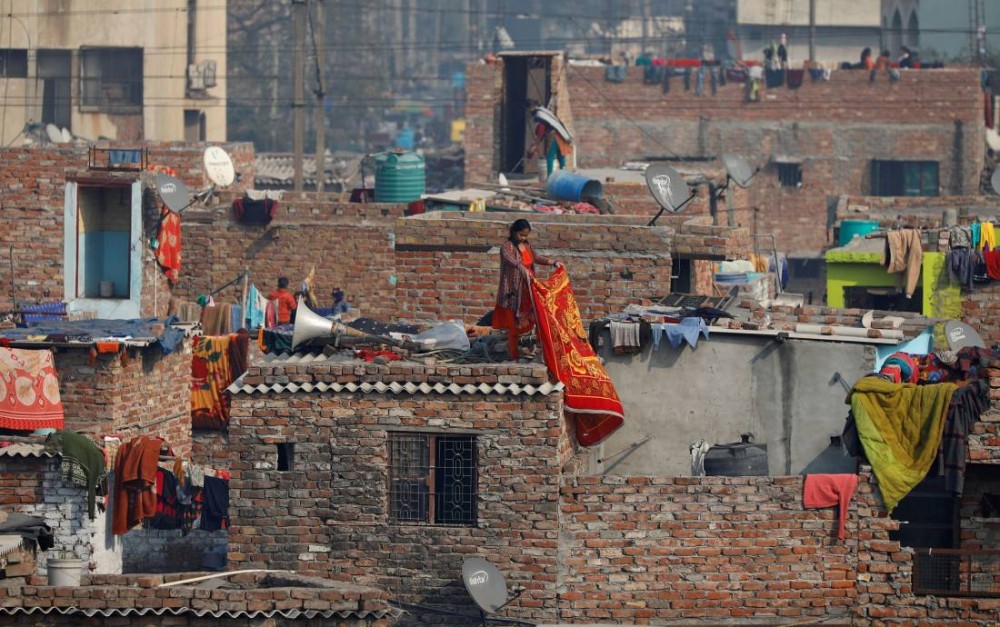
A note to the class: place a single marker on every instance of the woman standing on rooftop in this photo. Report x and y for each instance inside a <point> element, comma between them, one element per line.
<point>513,310</point>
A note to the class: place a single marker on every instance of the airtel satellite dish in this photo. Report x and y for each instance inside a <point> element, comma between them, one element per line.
<point>667,186</point>
<point>960,335</point>
<point>738,170</point>
<point>173,192</point>
<point>485,584</point>
<point>995,181</point>
<point>67,137</point>
<point>219,167</point>
<point>55,135</point>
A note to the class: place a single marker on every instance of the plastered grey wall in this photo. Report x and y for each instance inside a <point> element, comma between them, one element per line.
<point>784,393</point>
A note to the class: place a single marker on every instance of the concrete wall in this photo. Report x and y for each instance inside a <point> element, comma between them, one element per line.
<point>160,27</point>
<point>783,393</point>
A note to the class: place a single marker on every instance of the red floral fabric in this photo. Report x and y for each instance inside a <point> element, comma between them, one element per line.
<point>29,390</point>
<point>168,252</point>
<point>590,396</point>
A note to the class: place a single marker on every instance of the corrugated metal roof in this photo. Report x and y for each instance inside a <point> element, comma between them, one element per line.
<point>10,543</point>
<point>178,611</point>
<point>21,449</point>
<point>398,388</point>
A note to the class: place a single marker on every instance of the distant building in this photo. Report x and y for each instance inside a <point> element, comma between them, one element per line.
<point>843,27</point>
<point>941,30</point>
<point>117,69</point>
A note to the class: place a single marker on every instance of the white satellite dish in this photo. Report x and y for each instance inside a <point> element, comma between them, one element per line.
<point>55,135</point>
<point>219,167</point>
<point>66,135</point>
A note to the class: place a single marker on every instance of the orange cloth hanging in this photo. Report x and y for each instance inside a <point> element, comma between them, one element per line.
<point>819,491</point>
<point>168,252</point>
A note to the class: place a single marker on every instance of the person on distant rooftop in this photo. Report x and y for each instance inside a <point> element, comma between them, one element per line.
<point>286,301</point>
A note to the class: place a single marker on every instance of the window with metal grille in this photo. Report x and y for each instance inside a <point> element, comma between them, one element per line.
<point>111,79</point>
<point>432,479</point>
<point>790,174</point>
<point>904,178</point>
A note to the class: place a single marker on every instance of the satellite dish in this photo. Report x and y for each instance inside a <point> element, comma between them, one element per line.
<point>173,192</point>
<point>960,335</point>
<point>485,584</point>
<point>667,186</point>
<point>219,167</point>
<point>55,135</point>
<point>738,170</point>
<point>995,181</point>
<point>67,137</point>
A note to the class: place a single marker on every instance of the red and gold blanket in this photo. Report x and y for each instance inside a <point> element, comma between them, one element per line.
<point>29,390</point>
<point>590,395</point>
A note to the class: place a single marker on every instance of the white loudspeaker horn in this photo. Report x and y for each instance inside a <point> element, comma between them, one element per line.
<point>309,324</point>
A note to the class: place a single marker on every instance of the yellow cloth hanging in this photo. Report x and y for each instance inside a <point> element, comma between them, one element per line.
<point>900,427</point>
<point>987,236</point>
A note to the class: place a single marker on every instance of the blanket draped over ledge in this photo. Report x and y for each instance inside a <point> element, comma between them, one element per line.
<point>590,396</point>
<point>29,390</point>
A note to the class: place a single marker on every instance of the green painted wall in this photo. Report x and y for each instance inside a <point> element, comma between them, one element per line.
<point>941,298</point>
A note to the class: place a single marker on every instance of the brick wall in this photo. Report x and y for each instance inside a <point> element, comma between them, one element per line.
<point>252,600</point>
<point>139,392</point>
<point>168,550</point>
<point>350,245</point>
<point>830,125</point>
<point>328,516</point>
<point>32,192</point>
<point>34,486</point>
<point>447,263</point>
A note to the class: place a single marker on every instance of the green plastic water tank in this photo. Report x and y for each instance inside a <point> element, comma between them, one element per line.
<point>400,176</point>
<point>849,229</point>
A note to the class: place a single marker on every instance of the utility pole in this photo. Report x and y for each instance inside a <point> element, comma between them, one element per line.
<point>298,78</point>
<point>320,32</point>
<point>812,30</point>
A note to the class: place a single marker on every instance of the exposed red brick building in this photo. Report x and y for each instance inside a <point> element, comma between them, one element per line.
<point>845,135</point>
<point>328,460</point>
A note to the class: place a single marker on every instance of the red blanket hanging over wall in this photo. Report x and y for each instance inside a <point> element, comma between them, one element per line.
<point>590,395</point>
<point>29,390</point>
<point>168,253</point>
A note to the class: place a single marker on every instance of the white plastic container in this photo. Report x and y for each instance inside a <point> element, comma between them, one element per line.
<point>64,571</point>
<point>106,289</point>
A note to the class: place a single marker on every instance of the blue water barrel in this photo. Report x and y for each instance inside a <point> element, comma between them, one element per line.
<point>400,176</point>
<point>405,139</point>
<point>850,228</point>
<point>563,185</point>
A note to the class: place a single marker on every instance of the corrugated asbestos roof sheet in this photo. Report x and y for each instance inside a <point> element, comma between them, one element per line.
<point>178,611</point>
<point>10,543</point>
<point>399,388</point>
<point>24,450</point>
